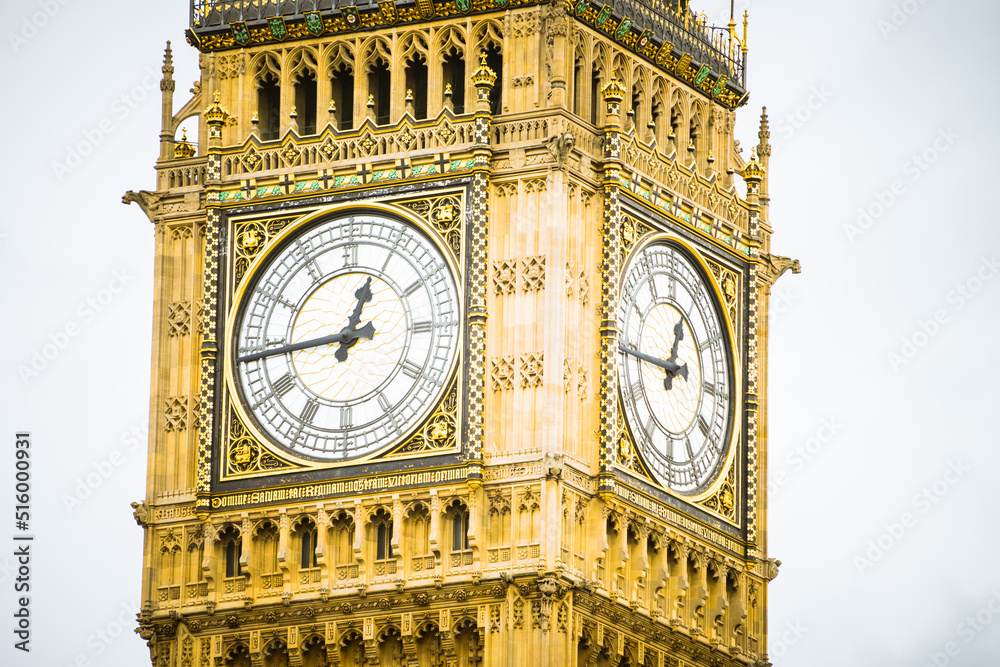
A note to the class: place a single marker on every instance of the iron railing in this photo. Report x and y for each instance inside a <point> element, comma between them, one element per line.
<point>667,20</point>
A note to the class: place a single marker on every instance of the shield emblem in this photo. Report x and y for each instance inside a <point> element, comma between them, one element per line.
<point>702,75</point>
<point>388,8</point>
<point>240,33</point>
<point>720,85</point>
<point>463,5</point>
<point>603,16</point>
<point>277,26</point>
<point>314,22</point>
<point>644,39</point>
<point>623,28</point>
<point>351,17</point>
<point>664,53</point>
<point>581,7</point>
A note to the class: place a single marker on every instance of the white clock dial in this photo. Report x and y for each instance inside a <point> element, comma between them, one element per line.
<point>674,370</point>
<point>386,296</point>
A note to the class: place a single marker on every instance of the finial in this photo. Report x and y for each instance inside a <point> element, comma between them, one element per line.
<point>691,147</point>
<point>215,114</point>
<point>333,107</point>
<point>409,94</point>
<point>184,148</point>
<point>483,77</point>
<point>613,91</point>
<point>447,89</point>
<point>254,119</point>
<point>753,172</point>
<point>371,100</point>
<point>293,115</point>
<point>168,58</point>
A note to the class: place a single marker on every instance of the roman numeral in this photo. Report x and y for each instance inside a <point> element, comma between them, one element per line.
<point>283,385</point>
<point>346,417</point>
<point>411,369</point>
<point>383,403</point>
<point>351,255</point>
<point>314,271</point>
<point>687,444</point>
<point>703,425</point>
<point>636,389</point>
<point>421,327</point>
<point>650,428</point>
<point>309,411</point>
<point>412,288</point>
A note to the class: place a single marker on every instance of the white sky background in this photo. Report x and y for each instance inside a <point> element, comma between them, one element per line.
<point>864,101</point>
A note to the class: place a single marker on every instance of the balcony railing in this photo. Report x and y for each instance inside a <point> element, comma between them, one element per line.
<point>707,44</point>
<point>219,13</point>
<point>667,21</point>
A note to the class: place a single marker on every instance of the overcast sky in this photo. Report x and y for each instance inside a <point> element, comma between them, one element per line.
<point>883,373</point>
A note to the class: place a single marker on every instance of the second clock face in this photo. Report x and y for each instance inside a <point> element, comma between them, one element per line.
<point>347,336</point>
<point>674,368</point>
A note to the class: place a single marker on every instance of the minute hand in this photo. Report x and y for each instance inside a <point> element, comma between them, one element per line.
<point>668,366</point>
<point>315,342</point>
<point>672,368</point>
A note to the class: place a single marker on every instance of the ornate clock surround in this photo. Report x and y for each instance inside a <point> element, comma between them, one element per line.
<point>247,233</point>
<point>722,504</point>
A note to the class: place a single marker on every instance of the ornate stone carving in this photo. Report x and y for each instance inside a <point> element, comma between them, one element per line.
<point>179,318</point>
<point>533,273</point>
<point>502,373</point>
<point>504,276</point>
<point>175,413</point>
<point>532,370</point>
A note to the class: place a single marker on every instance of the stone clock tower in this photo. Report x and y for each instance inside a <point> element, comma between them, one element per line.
<point>459,340</point>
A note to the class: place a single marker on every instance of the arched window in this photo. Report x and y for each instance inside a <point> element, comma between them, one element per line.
<point>342,88</point>
<point>453,74</point>
<point>383,549</point>
<point>460,531</point>
<point>494,60</point>
<point>269,106</point>
<point>379,89</point>
<point>232,546</point>
<point>305,102</point>
<point>416,84</point>
<point>308,536</point>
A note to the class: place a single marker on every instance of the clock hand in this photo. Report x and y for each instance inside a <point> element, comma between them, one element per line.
<point>671,367</point>
<point>350,332</point>
<point>347,336</point>
<point>314,342</point>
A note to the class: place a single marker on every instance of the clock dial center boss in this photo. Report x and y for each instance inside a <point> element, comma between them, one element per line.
<point>675,369</point>
<point>346,335</point>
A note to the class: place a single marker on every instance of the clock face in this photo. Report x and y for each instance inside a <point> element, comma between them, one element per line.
<point>675,373</point>
<point>346,337</point>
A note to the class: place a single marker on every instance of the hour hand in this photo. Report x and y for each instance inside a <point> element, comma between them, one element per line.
<point>351,333</point>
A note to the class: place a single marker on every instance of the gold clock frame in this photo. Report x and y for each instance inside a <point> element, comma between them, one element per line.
<point>725,472</point>
<point>447,405</point>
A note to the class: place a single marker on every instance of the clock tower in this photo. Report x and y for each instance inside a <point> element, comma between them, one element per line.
<point>459,340</point>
